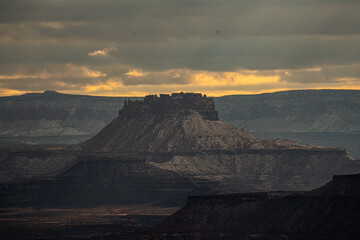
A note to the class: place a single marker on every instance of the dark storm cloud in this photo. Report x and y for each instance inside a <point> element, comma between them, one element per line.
<point>326,74</point>
<point>214,55</point>
<point>121,21</point>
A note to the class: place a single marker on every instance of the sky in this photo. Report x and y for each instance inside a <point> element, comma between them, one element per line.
<point>139,47</point>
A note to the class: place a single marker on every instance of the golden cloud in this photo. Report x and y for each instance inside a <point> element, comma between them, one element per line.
<point>135,73</point>
<point>102,52</point>
<point>206,78</point>
<point>137,82</point>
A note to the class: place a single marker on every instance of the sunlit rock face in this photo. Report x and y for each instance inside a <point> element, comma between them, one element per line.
<point>161,149</point>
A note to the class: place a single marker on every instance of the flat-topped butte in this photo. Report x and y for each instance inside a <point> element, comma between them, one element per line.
<point>167,104</point>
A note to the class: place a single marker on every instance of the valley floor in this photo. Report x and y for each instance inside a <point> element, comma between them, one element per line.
<point>59,223</point>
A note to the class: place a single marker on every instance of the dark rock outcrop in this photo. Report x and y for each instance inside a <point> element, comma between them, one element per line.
<point>330,212</point>
<point>167,104</point>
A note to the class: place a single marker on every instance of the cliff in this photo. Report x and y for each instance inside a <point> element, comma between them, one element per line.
<point>169,104</point>
<point>330,212</point>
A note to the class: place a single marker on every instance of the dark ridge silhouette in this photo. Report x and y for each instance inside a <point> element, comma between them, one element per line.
<point>330,212</point>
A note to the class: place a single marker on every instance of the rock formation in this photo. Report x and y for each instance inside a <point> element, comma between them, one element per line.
<point>185,126</point>
<point>330,212</point>
<point>182,122</point>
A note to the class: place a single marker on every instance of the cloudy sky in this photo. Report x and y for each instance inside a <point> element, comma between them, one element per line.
<point>136,47</point>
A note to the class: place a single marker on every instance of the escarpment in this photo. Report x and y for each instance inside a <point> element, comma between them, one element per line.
<point>330,212</point>
<point>161,149</point>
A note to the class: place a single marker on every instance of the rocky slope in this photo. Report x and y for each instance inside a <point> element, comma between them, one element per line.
<point>330,212</point>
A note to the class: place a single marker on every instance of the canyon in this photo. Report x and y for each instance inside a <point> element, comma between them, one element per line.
<point>158,152</point>
<point>174,142</point>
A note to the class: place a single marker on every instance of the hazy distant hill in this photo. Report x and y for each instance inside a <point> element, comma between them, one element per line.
<point>295,111</point>
<point>44,117</point>
<point>321,117</point>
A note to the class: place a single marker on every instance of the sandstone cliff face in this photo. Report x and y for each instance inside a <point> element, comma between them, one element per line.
<point>330,212</point>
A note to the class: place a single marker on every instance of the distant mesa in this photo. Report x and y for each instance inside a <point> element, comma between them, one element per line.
<point>51,92</point>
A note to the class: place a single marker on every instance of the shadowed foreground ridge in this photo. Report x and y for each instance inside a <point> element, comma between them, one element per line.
<point>329,212</point>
